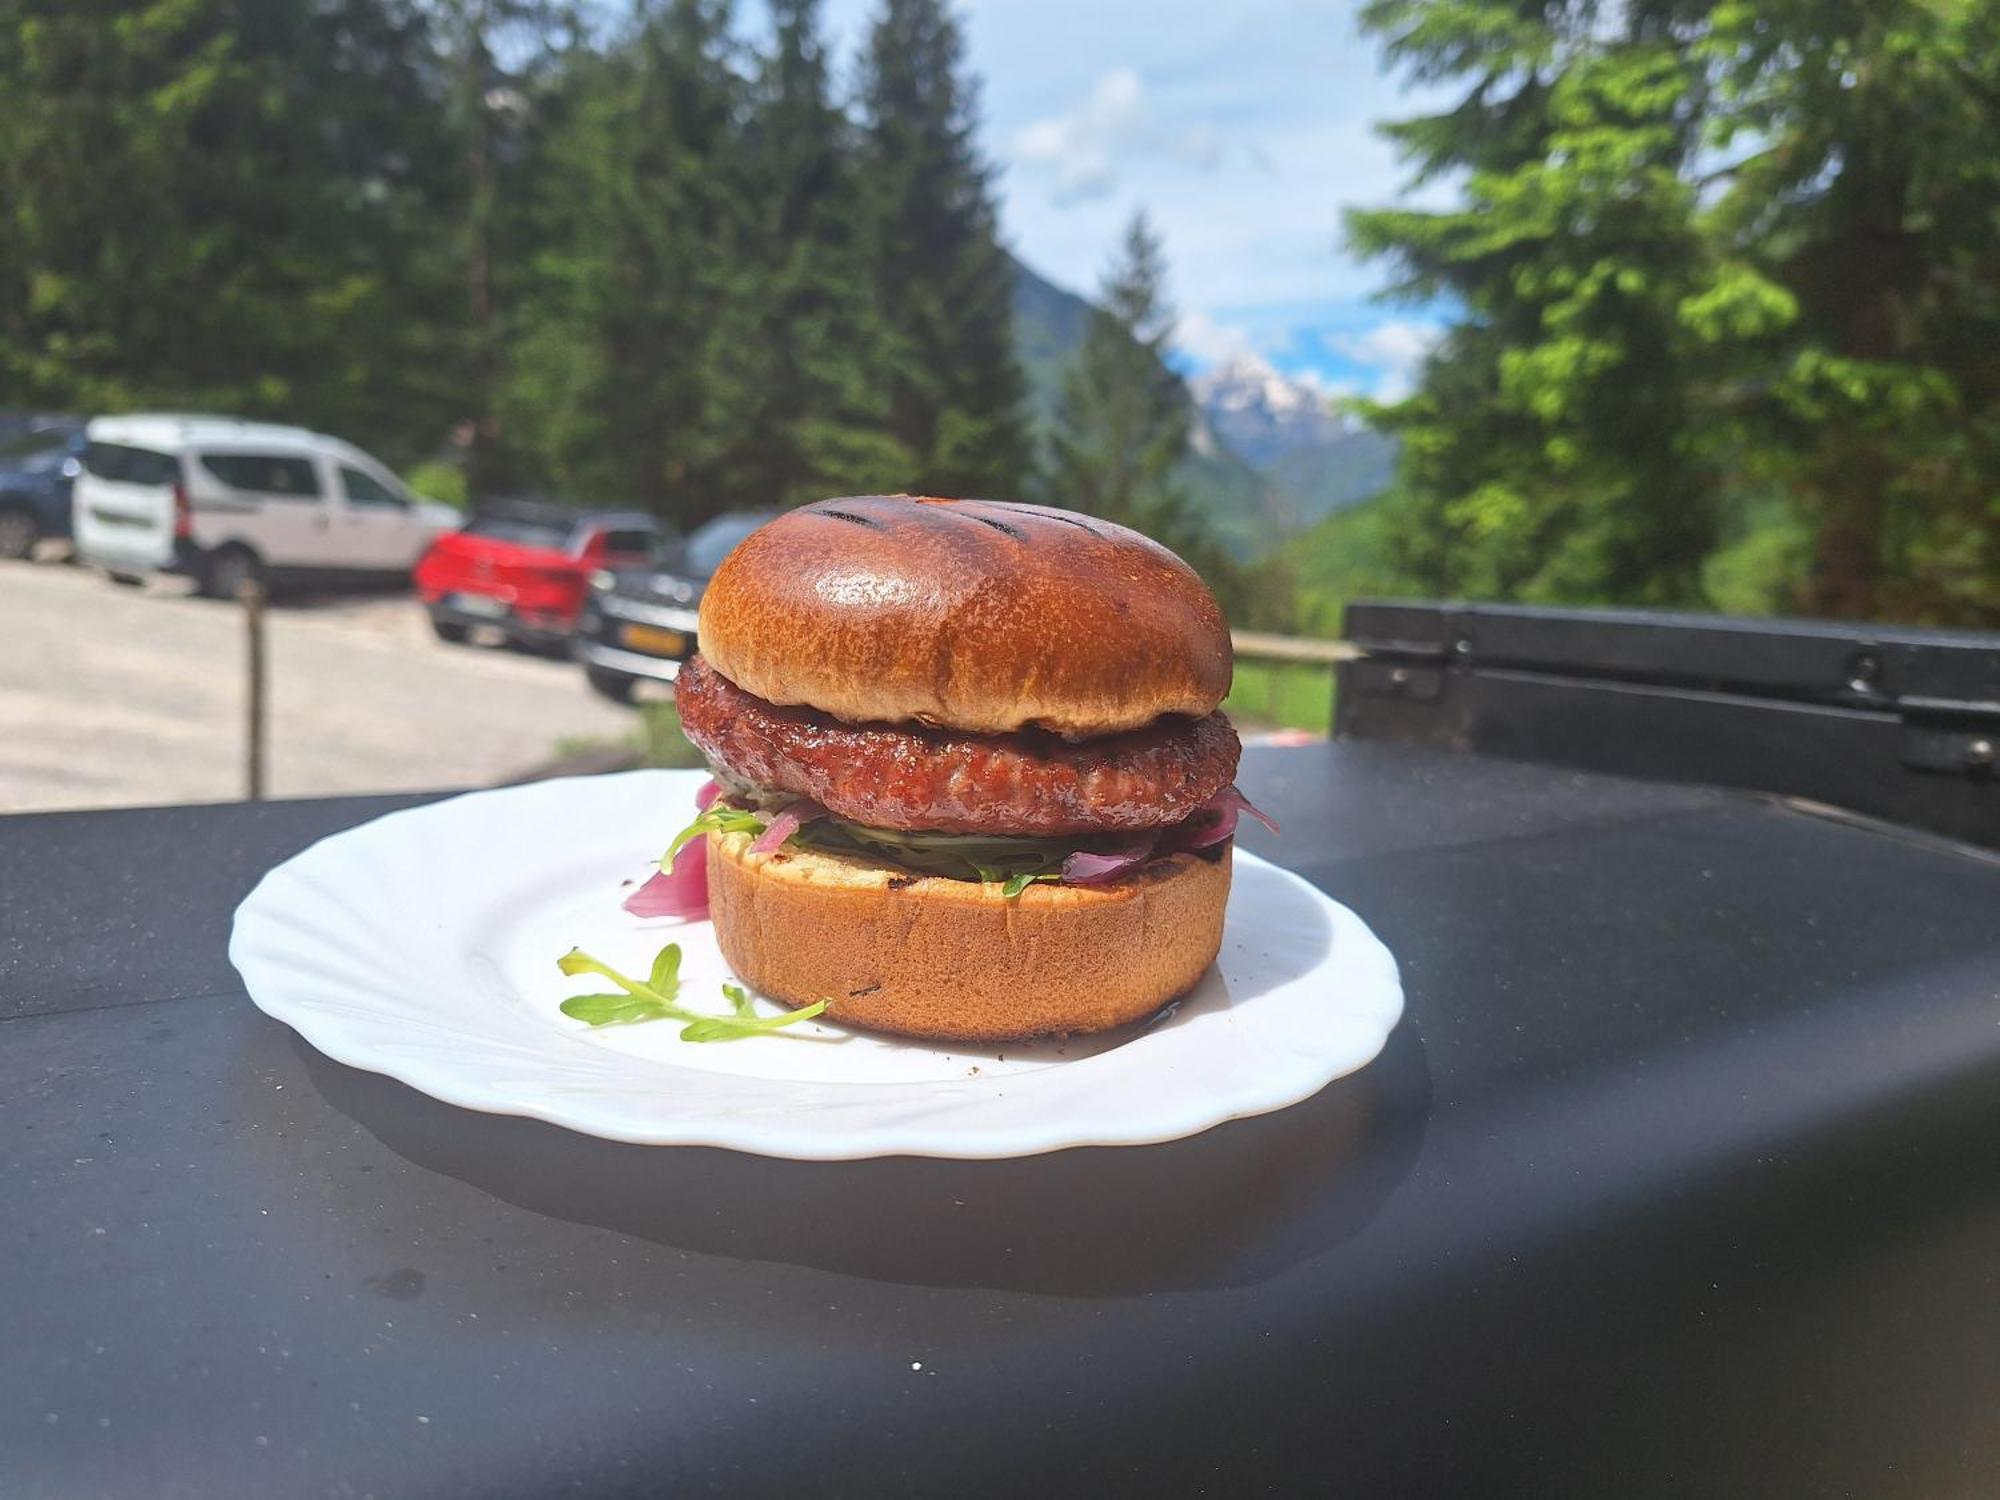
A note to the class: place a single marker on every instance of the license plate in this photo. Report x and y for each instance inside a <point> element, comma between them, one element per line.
<point>652,638</point>
<point>477,604</point>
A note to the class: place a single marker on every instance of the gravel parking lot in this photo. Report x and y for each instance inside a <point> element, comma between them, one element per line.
<point>118,697</point>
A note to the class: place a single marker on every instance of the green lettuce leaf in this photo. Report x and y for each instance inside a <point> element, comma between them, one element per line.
<point>718,817</point>
<point>657,1000</point>
<point>1013,863</point>
<point>1018,863</point>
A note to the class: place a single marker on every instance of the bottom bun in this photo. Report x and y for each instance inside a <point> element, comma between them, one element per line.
<point>951,960</point>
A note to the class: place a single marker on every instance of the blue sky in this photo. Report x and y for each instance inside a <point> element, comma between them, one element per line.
<point>1242,128</point>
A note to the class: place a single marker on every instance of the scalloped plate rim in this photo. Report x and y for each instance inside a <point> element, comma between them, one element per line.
<point>283,990</point>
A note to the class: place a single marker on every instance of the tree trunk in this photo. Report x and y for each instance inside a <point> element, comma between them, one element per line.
<point>1847,554</point>
<point>482,456</point>
<point>1872,275</point>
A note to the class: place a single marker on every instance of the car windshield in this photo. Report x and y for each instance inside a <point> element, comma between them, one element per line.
<point>520,531</point>
<point>712,542</point>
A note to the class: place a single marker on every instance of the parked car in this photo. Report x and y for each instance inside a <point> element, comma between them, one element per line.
<point>640,622</point>
<point>525,567</point>
<point>15,423</point>
<point>226,502</point>
<point>37,467</point>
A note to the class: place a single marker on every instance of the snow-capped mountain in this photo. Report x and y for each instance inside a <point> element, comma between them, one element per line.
<point>1309,458</point>
<point>1267,456</point>
<point>1263,415</point>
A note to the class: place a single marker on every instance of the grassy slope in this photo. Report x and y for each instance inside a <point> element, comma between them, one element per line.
<point>1281,695</point>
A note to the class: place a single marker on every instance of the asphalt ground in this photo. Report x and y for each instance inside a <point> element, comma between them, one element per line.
<point>113,697</point>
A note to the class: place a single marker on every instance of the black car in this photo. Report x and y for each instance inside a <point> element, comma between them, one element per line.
<point>640,622</point>
<point>37,466</point>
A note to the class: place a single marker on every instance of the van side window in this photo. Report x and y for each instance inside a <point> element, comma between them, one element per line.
<point>278,475</point>
<point>365,489</point>
<point>130,465</point>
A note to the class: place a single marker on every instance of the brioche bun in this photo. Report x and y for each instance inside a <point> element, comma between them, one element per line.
<point>955,960</point>
<point>969,614</point>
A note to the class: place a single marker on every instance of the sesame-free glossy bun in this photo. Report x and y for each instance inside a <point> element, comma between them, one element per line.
<point>954,960</point>
<point>972,614</point>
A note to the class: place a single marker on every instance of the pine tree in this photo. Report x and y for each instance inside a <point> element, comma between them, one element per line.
<point>233,206</point>
<point>1861,201</point>
<point>1123,421</point>
<point>943,282</point>
<point>1551,450</point>
<point>1725,275</point>
<point>1122,424</point>
<point>626,373</point>
<point>501,58</point>
<point>819,362</point>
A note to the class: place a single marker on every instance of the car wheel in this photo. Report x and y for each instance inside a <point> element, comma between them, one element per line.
<point>18,533</point>
<point>229,572</point>
<point>616,686</point>
<point>126,580</point>
<point>449,631</point>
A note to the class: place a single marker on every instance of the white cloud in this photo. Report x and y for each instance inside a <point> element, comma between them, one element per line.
<point>1395,345</point>
<point>1324,386</point>
<point>1243,129</point>
<point>1207,342</point>
<point>1395,349</point>
<point>1084,148</point>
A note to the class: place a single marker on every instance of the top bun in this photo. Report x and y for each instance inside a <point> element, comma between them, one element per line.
<point>968,614</point>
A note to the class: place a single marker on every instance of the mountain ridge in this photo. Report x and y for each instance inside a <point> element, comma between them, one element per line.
<point>1268,456</point>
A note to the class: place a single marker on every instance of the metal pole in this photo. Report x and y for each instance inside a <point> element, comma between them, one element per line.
<point>252,597</point>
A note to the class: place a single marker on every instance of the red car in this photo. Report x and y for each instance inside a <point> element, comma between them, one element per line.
<point>525,567</point>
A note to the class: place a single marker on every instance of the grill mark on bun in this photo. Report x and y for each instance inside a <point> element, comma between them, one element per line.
<point>1040,515</point>
<point>847,515</point>
<point>1000,526</point>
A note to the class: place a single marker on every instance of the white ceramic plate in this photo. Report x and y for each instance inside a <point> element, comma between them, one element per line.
<point>423,945</point>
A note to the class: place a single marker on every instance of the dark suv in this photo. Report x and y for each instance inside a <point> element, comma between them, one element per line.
<point>640,622</point>
<point>36,469</point>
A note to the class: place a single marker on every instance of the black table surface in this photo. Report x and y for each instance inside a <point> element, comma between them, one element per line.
<point>1680,1177</point>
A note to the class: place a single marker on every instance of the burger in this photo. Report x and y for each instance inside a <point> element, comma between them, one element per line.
<point>970,779</point>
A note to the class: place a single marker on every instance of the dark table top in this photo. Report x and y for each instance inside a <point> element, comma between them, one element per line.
<point>1681,1176</point>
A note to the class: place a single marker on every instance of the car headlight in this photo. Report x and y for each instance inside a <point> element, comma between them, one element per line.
<point>603,581</point>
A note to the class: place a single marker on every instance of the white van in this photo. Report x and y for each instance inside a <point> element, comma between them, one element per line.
<point>225,502</point>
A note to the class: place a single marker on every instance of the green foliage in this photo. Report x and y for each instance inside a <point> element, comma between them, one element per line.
<point>225,206</point>
<point>1357,553</point>
<point>1120,434</point>
<point>1544,458</point>
<point>655,740</point>
<point>617,258</point>
<point>1242,509</point>
<point>629,384</point>
<point>1122,424</point>
<point>1762,563</point>
<point>439,481</point>
<point>661,741</point>
<point>1283,695</point>
<point>500,61</point>
<point>1719,266</point>
<point>942,285</point>
<point>819,410</point>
